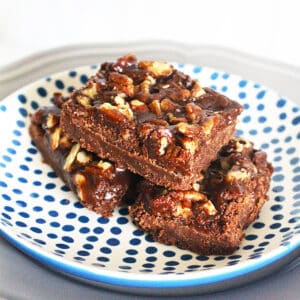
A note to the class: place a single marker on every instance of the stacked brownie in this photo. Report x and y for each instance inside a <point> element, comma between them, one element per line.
<point>199,187</point>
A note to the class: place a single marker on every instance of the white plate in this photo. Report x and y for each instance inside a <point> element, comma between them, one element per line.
<point>40,216</point>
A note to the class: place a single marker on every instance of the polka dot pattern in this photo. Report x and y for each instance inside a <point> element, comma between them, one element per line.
<point>39,211</point>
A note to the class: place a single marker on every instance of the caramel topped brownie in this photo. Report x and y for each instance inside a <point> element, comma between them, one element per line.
<point>211,217</point>
<point>99,184</point>
<point>151,118</point>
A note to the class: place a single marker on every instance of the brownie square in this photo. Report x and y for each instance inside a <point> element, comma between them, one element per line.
<point>211,218</point>
<point>99,184</point>
<point>152,119</point>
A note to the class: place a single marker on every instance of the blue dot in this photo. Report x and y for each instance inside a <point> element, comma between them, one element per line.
<point>151,250</point>
<point>296,121</point>
<point>22,180</point>
<point>42,92</point>
<point>242,95</point>
<point>98,230</point>
<point>71,215</point>
<point>36,229</point>
<point>37,171</point>
<point>59,84</point>
<point>54,224</point>
<point>138,232</point>
<point>37,208</point>
<point>68,228</point>
<point>251,237</point>
<point>122,220</point>
<point>6,197</point>
<point>49,198</point>
<point>83,219</point>
<point>281,128</point>
<point>169,253</point>
<point>269,236</point>
<point>3,108</point>
<point>6,158</point>
<point>282,116</point>
<point>214,75</point>
<point>84,78</point>
<point>22,98</point>
<point>24,214</point>
<point>21,224</point>
<point>148,265</point>
<point>17,191</point>
<point>34,195</point>
<point>34,105</point>
<point>71,89</point>
<point>261,94</point>
<point>105,250</point>
<point>51,174</point>
<point>253,132</point>
<point>278,177</point>
<point>17,132</point>
<point>40,221</point>
<point>103,220</point>
<point>129,260</point>
<point>92,238</point>
<point>260,107</point>
<point>243,83</point>
<point>21,203</point>
<point>83,253</point>
<point>9,208</point>
<point>262,119</point>
<point>151,258</point>
<point>72,73</point>
<point>258,225</point>
<point>276,207</point>
<point>64,202</point>
<point>62,246</point>
<point>52,235</point>
<point>267,129</point>
<point>113,242</point>
<point>275,225</point>
<point>281,102</point>
<point>115,230</point>
<point>50,186</point>
<point>202,257</point>
<point>88,246</point>
<point>224,88</point>
<point>16,142</point>
<point>135,241</point>
<point>278,217</point>
<point>246,119</point>
<point>3,184</point>
<point>53,213</point>
<point>197,70</point>
<point>291,150</point>
<point>84,230</point>
<point>225,76</point>
<point>23,112</point>
<point>214,87</point>
<point>32,150</point>
<point>132,252</point>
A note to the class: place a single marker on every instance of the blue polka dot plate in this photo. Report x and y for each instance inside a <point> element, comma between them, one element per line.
<point>41,217</point>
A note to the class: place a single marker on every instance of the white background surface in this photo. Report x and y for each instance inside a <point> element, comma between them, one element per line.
<point>265,28</point>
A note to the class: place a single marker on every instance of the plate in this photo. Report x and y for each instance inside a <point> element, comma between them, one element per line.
<point>40,216</point>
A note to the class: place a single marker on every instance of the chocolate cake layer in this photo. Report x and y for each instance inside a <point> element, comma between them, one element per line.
<point>99,184</point>
<point>211,218</point>
<point>152,119</point>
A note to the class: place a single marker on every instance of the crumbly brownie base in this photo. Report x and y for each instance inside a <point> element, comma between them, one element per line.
<point>99,185</point>
<point>211,220</point>
<point>152,118</point>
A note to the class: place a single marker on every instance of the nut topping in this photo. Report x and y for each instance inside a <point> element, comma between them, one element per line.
<point>155,107</point>
<point>71,157</point>
<point>83,157</point>
<point>157,68</point>
<point>84,101</point>
<point>163,145</point>
<point>90,91</point>
<point>54,138</point>
<point>52,120</point>
<point>80,182</point>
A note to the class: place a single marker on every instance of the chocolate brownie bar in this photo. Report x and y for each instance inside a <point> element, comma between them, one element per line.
<point>209,219</point>
<point>99,184</point>
<point>151,118</point>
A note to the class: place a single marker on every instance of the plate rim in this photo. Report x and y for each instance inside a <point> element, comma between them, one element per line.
<point>150,283</point>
